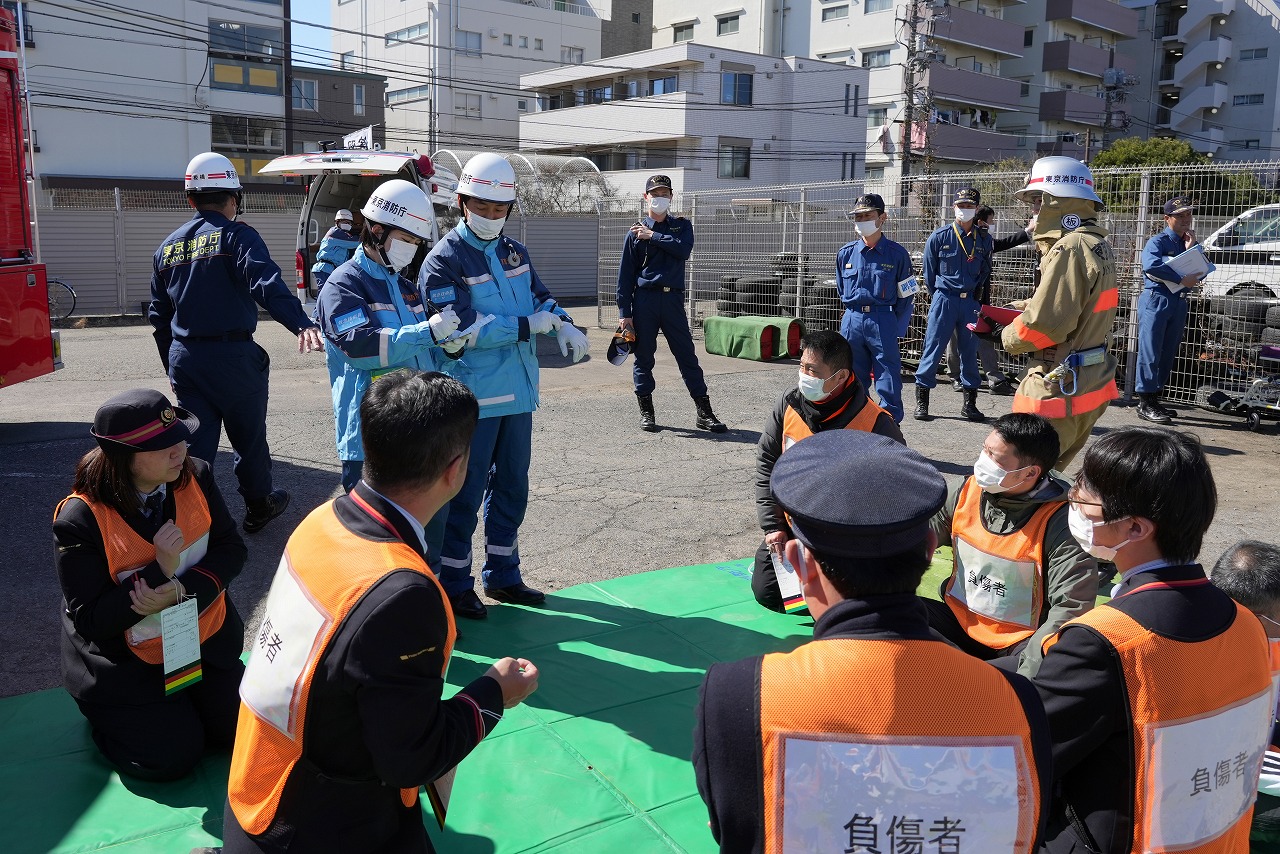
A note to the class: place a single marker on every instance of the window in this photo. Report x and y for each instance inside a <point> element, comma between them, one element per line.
<point>29,32</point>
<point>874,173</point>
<point>875,58</point>
<point>735,161</point>
<point>571,55</point>
<point>877,116</point>
<point>735,88</point>
<point>1253,53</point>
<point>1024,91</point>
<point>522,104</point>
<point>347,60</point>
<point>243,133</point>
<point>466,105</point>
<point>244,41</point>
<point>727,26</point>
<point>1246,100</point>
<point>524,42</point>
<point>835,13</point>
<point>1028,37</point>
<point>682,33</point>
<point>1239,144</point>
<point>877,6</point>
<point>537,44</point>
<point>305,95</point>
<point>635,17</point>
<point>413,93</point>
<point>246,58</point>
<point>357,99</point>
<point>663,85</point>
<point>1069,37</point>
<point>598,95</point>
<point>507,40</point>
<point>467,43</point>
<point>417,31</point>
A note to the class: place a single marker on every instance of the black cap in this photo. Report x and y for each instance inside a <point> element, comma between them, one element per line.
<point>849,493</point>
<point>143,420</point>
<point>868,202</point>
<point>1177,205</point>
<point>968,194</point>
<point>657,181</point>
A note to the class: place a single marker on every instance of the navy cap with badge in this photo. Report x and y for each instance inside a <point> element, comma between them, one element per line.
<point>142,420</point>
<point>849,493</point>
<point>968,194</point>
<point>868,202</point>
<point>1177,205</point>
<point>620,345</point>
<point>656,181</point>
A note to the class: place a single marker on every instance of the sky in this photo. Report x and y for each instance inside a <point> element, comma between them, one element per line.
<point>311,45</point>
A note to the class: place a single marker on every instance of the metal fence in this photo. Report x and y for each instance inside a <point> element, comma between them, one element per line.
<point>771,251</point>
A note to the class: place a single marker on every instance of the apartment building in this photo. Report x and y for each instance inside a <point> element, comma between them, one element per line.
<point>710,117</point>
<point>132,93</point>
<point>1210,73</point>
<point>453,68</point>
<point>327,104</point>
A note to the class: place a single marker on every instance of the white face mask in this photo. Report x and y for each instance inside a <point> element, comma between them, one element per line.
<point>1082,529</point>
<point>399,253</point>
<point>868,228</point>
<point>989,476</point>
<point>485,229</point>
<point>345,226</point>
<point>964,214</point>
<point>812,387</point>
<point>659,204</point>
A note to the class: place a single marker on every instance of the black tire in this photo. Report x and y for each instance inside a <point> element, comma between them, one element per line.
<point>728,280</point>
<point>726,293</point>
<point>1253,420</point>
<point>821,294</point>
<point>62,300</point>
<point>1240,329</point>
<point>1273,316</point>
<point>758,285</point>
<point>727,308</point>
<point>1270,335</point>
<point>787,264</point>
<point>822,316</point>
<point>1249,304</point>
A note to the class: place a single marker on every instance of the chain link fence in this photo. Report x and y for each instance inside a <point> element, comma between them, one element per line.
<point>771,251</point>
<point>270,200</point>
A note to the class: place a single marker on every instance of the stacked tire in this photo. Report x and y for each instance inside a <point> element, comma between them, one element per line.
<point>756,295</point>
<point>820,306</point>
<point>1249,315</point>
<point>1271,332</point>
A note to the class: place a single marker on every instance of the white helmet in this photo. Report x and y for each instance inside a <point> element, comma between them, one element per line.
<point>211,171</point>
<point>400,204</point>
<point>489,178</point>
<point>1064,177</point>
<point>343,215</point>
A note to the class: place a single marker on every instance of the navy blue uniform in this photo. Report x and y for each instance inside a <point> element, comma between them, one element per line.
<point>956,266</point>
<point>651,293</point>
<point>208,279</point>
<point>1162,312</point>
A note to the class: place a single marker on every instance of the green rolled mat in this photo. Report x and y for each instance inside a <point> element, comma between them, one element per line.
<point>753,337</point>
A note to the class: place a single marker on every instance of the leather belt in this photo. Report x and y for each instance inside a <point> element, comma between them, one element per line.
<point>869,308</point>
<point>230,336</point>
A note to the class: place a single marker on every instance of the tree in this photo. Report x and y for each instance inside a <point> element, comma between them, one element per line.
<point>555,189</point>
<point>1157,151</point>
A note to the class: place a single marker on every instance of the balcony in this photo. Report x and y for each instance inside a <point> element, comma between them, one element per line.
<point>635,121</point>
<point>1073,107</point>
<point>1102,14</point>
<point>953,24</point>
<point>953,142</point>
<point>1188,115</point>
<point>1214,51</point>
<point>1200,14</point>
<point>968,87</point>
<point>1207,141</point>
<point>1082,58</point>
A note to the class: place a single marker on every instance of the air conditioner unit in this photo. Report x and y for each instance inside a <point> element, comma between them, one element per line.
<point>493,34</point>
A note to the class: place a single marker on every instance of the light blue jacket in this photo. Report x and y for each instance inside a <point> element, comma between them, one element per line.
<point>373,322</point>
<point>491,277</point>
<point>335,250</point>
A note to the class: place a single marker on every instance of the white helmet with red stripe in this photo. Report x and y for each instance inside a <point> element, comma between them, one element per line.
<point>488,177</point>
<point>1064,177</point>
<point>400,204</point>
<point>210,172</point>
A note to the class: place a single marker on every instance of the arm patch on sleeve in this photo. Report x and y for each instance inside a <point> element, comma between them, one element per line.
<point>442,296</point>
<point>351,320</point>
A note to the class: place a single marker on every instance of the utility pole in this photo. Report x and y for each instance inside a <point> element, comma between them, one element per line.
<point>914,31</point>
<point>1116,86</point>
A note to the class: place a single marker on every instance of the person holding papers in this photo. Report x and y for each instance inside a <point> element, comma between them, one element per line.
<point>146,548</point>
<point>1162,309</point>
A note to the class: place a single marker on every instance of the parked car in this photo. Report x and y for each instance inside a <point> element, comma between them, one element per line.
<point>345,179</point>
<point>1247,253</point>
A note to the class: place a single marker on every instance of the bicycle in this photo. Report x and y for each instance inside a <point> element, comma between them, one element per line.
<point>62,299</point>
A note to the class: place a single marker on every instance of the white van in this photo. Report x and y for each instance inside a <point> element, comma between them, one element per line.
<point>345,179</point>
<point>1247,253</point>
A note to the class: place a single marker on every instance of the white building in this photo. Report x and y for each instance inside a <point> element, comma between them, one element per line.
<point>453,68</point>
<point>1210,74</point>
<point>133,93</point>
<point>709,117</point>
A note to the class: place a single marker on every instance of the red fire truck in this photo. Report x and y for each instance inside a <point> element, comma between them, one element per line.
<point>29,346</point>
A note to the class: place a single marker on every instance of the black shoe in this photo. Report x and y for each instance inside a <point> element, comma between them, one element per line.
<point>1169,413</point>
<point>922,404</point>
<point>648,421</point>
<point>259,513</point>
<point>956,385</point>
<point>706,418</point>
<point>516,594</point>
<point>1002,387</point>
<point>468,605</point>
<point>1149,410</point>
<point>970,408</point>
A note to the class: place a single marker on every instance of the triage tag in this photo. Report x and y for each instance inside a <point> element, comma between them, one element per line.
<point>180,639</point>
<point>788,584</point>
<point>481,322</point>
<point>908,287</point>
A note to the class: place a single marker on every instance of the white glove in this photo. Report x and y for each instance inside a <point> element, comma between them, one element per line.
<point>456,345</point>
<point>543,323</point>
<point>571,337</point>
<point>444,324</point>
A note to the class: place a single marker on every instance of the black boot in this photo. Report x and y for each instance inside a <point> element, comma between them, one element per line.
<point>706,418</point>
<point>922,404</point>
<point>258,513</point>
<point>970,408</point>
<point>1169,413</point>
<point>1149,410</point>
<point>648,421</point>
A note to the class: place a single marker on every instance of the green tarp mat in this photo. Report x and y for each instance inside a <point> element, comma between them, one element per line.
<point>751,337</point>
<point>597,760</point>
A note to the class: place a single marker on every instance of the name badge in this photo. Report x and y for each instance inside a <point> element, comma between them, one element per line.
<point>440,296</point>
<point>908,287</point>
<point>180,641</point>
<point>351,320</point>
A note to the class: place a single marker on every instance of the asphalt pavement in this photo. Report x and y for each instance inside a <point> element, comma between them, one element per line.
<point>606,499</point>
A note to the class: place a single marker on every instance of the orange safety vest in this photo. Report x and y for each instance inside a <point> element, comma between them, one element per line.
<point>1199,735</point>
<point>325,571</point>
<point>127,552</point>
<point>997,589</point>
<point>794,429</point>
<point>865,743</point>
